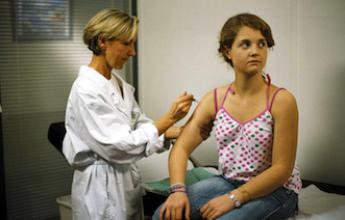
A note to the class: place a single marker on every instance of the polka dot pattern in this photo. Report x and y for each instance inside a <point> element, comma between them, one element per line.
<point>245,149</point>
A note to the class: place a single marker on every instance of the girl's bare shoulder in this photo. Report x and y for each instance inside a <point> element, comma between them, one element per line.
<point>219,92</point>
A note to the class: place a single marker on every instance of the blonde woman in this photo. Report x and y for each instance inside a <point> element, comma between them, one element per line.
<point>106,130</point>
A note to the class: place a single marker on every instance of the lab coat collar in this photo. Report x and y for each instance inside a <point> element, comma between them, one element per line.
<point>128,91</point>
<point>93,75</point>
<point>126,87</point>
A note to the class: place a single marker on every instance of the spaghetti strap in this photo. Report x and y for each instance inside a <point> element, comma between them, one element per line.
<point>226,94</point>
<point>268,79</point>
<point>215,101</point>
<point>273,97</point>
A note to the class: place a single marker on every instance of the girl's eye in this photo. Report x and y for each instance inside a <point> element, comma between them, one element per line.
<point>262,44</point>
<point>245,44</point>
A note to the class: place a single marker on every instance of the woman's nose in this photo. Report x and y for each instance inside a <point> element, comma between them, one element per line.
<point>132,51</point>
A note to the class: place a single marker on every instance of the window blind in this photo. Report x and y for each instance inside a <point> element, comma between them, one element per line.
<point>37,69</point>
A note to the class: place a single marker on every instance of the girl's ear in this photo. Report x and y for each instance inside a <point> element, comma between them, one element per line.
<point>228,53</point>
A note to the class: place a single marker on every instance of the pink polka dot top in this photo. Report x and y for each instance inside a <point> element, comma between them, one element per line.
<point>245,148</point>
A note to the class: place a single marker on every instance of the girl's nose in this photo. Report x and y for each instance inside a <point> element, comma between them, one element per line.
<point>253,50</point>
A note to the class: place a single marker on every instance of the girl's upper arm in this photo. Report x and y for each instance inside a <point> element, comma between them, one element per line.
<point>285,114</point>
<point>205,111</point>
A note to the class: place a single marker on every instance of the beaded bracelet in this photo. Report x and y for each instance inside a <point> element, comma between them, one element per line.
<point>177,188</point>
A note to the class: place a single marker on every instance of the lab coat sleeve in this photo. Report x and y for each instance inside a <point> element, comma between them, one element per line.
<point>156,145</point>
<point>109,132</point>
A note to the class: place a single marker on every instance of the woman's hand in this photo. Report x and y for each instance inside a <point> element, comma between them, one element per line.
<point>175,207</point>
<point>173,132</point>
<point>177,111</point>
<point>216,207</point>
<point>180,107</point>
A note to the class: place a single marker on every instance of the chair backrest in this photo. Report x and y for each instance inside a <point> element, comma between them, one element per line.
<point>56,134</point>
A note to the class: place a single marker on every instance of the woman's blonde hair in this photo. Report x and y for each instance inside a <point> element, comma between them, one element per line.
<point>112,24</point>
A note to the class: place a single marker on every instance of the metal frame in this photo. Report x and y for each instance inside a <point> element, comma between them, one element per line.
<point>27,23</point>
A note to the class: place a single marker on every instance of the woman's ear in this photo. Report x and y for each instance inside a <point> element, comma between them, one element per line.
<point>101,42</point>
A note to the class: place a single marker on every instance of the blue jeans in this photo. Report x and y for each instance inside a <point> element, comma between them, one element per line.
<point>280,204</point>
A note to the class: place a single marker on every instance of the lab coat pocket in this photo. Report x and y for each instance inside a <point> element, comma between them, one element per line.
<point>99,208</point>
<point>99,202</point>
<point>134,203</point>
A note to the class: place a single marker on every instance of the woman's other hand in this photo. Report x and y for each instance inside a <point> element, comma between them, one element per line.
<point>173,132</point>
<point>175,207</point>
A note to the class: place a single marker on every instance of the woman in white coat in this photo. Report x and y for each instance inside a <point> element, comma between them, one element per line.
<point>106,130</point>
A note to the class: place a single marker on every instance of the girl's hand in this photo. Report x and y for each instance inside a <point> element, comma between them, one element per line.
<point>176,207</point>
<point>216,207</point>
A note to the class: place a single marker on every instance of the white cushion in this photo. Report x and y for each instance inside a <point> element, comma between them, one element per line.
<point>315,204</point>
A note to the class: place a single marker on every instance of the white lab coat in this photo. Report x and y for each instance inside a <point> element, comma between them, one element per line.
<point>105,135</point>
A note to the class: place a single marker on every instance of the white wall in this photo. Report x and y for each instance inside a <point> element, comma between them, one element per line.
<point>178,52</point>
<point>321,78</point>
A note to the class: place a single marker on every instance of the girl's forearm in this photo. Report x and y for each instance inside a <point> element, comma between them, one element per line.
<point>264,183</point>
<point>178,165</point>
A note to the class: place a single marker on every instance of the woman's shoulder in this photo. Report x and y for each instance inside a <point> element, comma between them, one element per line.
<point>84,84</point>
<point>85,88</point>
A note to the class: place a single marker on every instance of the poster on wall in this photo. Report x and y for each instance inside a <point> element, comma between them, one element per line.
<point>41,20</point>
